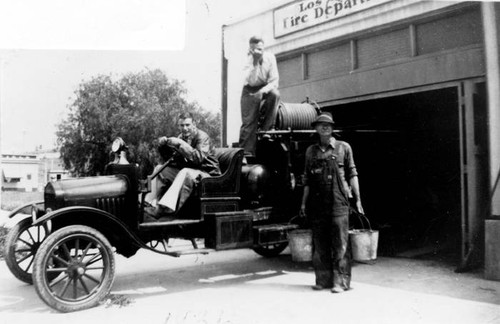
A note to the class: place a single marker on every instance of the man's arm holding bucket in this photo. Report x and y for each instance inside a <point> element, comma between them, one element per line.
<point>354,183</point>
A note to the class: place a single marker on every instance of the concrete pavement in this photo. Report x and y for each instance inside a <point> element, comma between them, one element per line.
<point>241,287</point>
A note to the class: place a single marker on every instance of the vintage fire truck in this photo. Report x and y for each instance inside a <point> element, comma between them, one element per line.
<point>66,246</point>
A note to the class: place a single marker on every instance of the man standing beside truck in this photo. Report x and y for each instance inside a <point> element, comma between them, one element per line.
<point>330,179</point>
<point>260,86</point>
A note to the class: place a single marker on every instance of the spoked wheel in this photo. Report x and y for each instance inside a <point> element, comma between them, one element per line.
<point>82,260</point>
<point>270,250</point>
<point>21,244</point>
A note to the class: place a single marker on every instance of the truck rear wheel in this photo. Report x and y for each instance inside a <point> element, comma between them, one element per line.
<point>21,244</point>
<point>270,250</point>
<point>82,261</point>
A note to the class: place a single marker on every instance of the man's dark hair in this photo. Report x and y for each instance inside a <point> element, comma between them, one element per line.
<point>255,40</point>
<point>186,115</point>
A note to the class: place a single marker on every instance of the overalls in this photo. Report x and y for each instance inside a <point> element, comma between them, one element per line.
<point>328,209</point>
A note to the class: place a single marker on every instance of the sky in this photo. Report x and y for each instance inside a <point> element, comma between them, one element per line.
<point>47,48</point>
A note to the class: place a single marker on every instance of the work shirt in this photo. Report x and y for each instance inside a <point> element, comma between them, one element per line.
<point>264,74</point>
<point>342,153</point>
<point>199,153</point>
<point>319,166</point>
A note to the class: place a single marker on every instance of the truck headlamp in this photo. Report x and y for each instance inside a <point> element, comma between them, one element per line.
<point>118,145</point>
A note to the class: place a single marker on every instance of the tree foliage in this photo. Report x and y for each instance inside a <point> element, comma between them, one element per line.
<point>139,107</point>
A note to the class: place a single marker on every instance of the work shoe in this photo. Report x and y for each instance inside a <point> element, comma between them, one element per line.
<point>337,290</point>
<point>318,287</point>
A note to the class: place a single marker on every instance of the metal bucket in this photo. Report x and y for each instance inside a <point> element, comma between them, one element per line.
<point>300,242</point>
<point>364,243</point>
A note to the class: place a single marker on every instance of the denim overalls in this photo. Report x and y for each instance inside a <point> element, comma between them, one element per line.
<point>328,210</point>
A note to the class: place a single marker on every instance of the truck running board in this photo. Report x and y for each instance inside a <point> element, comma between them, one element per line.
<point>194,251</point>
<point>175,222</point>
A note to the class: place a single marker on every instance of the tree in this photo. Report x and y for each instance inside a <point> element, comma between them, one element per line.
<point>138,107</point>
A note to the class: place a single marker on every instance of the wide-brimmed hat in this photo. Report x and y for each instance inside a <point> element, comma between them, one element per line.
<point>324,117</point>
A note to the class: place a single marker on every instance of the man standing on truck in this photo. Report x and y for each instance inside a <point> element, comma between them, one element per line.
<point>260,86</point>
<point>330,180</point>
<point>192,158</point>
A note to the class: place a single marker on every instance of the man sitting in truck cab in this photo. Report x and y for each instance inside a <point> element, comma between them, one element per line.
<point>193,159</point>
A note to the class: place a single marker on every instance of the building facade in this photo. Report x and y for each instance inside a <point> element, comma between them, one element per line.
<point>31,172</point>
<point>20,172</point>
<point>414,87</point>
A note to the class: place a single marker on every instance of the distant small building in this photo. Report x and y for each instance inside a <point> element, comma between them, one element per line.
<point>51,167</point>
<point>20,172</point>
<point>31,171</point>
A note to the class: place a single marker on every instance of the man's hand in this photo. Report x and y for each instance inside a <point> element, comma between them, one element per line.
<point>359,207</point>
<point>162,140</point>
<point>302,212</point>
<point>172,142</point>
<point>258,94</point>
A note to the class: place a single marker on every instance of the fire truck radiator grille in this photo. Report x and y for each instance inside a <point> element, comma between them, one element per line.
<point>113,205</point>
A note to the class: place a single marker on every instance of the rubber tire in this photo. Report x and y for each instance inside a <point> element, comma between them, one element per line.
<point>42,258</point>
<point>270,252</point>
<point>10,244</point>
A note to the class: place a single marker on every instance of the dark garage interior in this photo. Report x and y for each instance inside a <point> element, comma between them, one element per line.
<point>407,150</point>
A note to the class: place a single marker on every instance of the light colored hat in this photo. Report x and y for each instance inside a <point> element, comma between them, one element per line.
<point>324,117</point>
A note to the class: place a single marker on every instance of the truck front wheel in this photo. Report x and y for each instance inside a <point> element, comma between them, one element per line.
<point>81,260</point>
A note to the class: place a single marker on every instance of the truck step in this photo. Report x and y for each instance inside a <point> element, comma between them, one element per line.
<point>272,233</point>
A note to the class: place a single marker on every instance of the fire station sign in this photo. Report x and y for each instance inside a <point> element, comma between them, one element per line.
<point>304,14</point>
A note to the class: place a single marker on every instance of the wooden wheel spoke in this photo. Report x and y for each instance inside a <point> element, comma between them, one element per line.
<point>31,236</point>
<point>77,246</point>
<point>38,234</point>
<point>60,259</point>
<point>28,244</point>
<point>66,285</point>
<point>55,282</point>
<point>22,250</point>
<point>66,251</point>
<point>86,250</point>
<point>24,258</point>
<point>29,265</point>
<point>91,278</point>
<point>94,259</point>
<point>164,243</point>
<point>75,288</point>
<point>53,270</point>
<point>84,285</point>
<point>94,268</point>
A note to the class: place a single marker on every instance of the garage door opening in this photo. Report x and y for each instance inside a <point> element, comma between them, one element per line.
<point>407,149</point>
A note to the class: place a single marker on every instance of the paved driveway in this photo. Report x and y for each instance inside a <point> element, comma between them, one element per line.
<point>241,287</point>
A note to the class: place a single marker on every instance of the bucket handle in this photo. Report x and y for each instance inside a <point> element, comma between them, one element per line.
<point>361,217</point>
<point>293,218</point>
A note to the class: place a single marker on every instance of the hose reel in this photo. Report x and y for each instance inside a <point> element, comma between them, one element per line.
<point>296,116</point>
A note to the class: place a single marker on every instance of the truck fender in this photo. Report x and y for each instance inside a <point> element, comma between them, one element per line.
<point>22,212</point>
<point>117,232</point>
